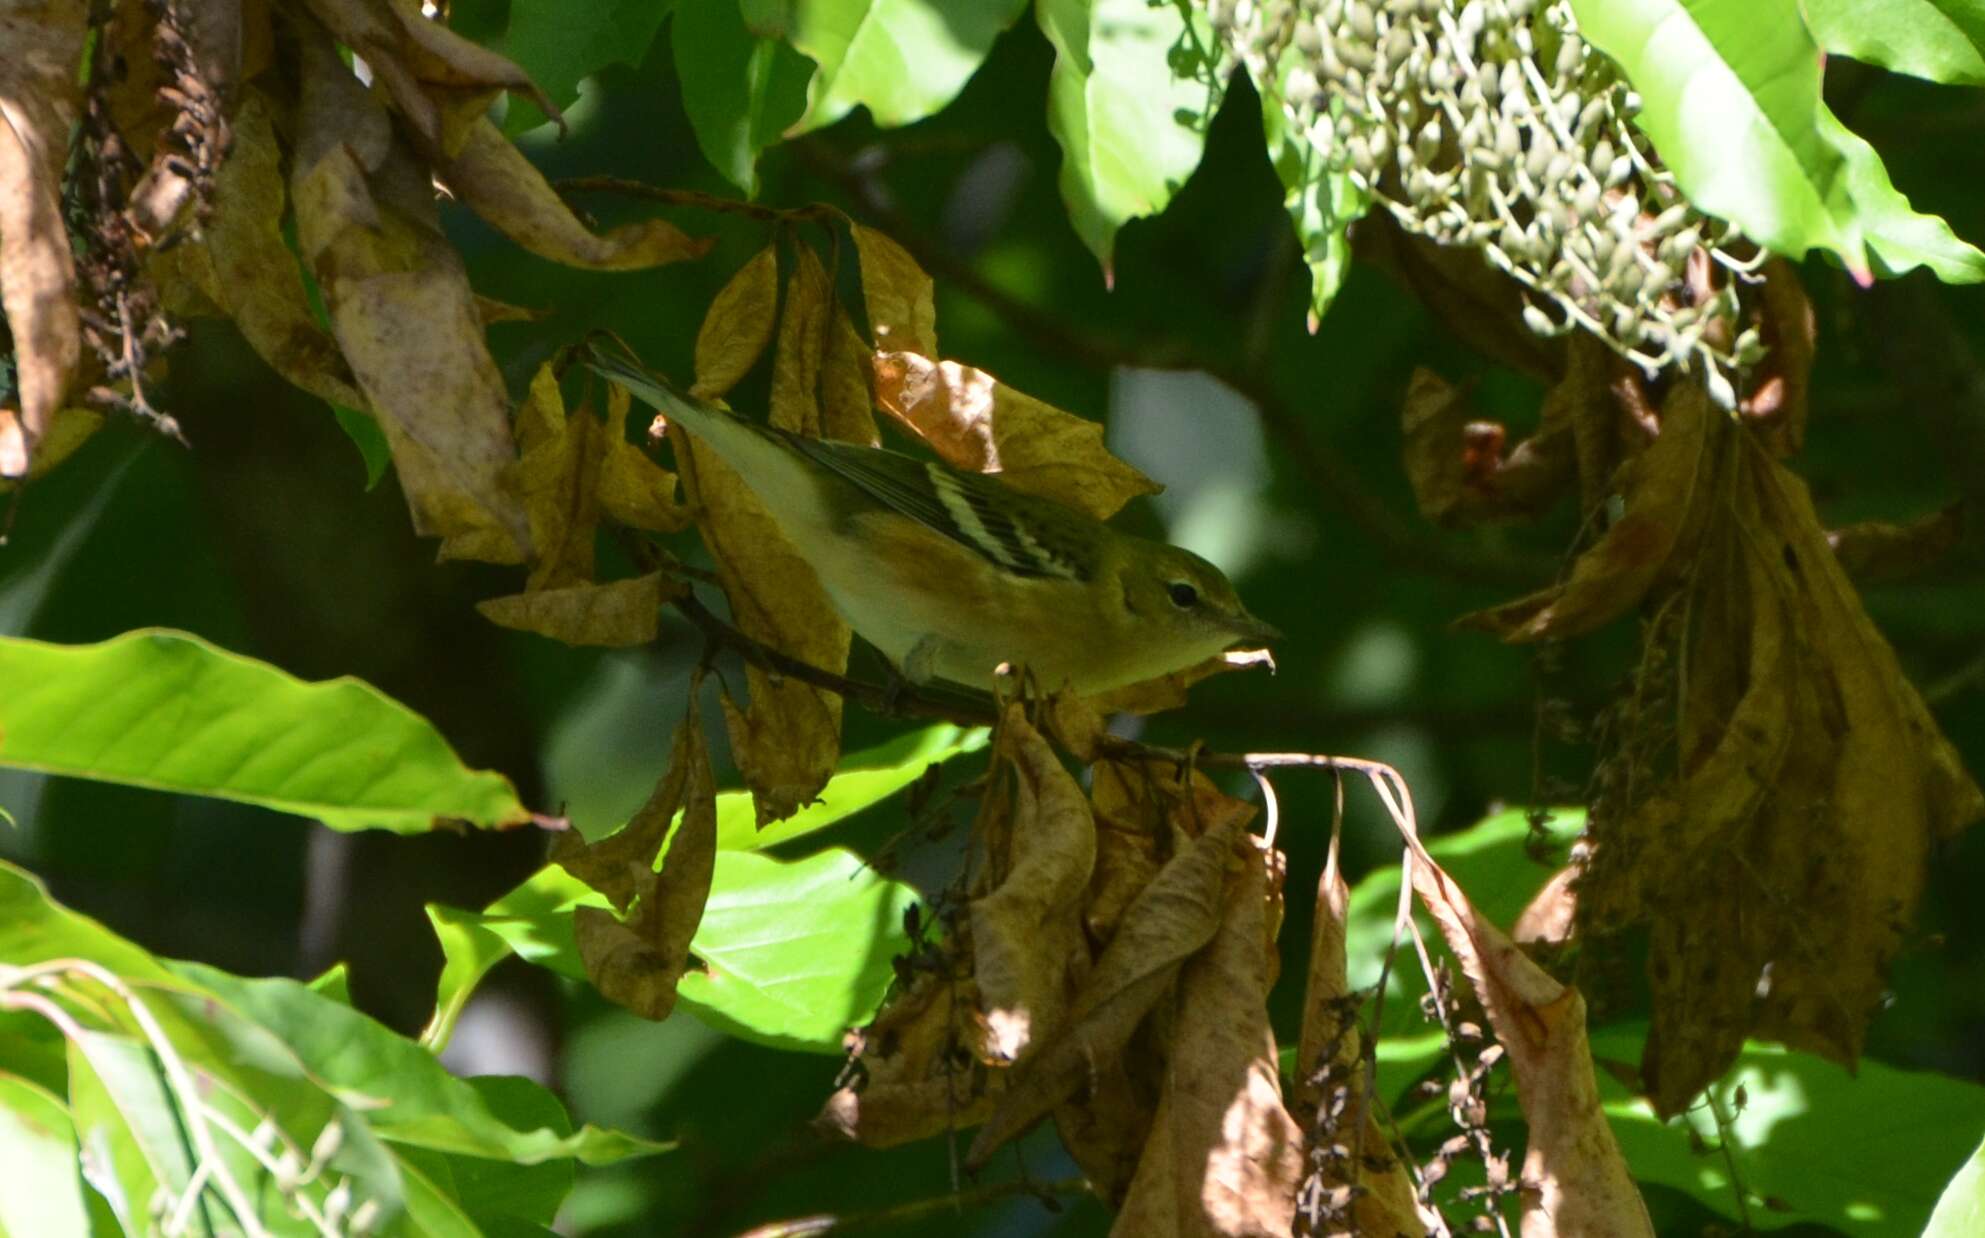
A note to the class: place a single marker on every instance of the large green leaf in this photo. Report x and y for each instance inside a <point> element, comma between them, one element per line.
<point>742,86</point>
<point>862,780</point>
<point>1864,1152</point>
<point>560,44</point>
<point>1943,40</point>
<point>1128,128</point>
<point>1961,1209</point>
<point>1730,96</point>
<point>901,59</point>
<point>40,1193</point>
<point>794,952</point>
<point>169,711</point>
<point>1322,202</point>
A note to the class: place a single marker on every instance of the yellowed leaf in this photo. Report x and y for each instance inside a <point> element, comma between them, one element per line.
<point>493,311</point>
<point>1224,1157</point>
<point>439,82</point>
<point>803,323</point>
<point>39,103</point>
<point>493,179</point>
<point>847,407</point>
<point>252,273</point>
<point>976,422</point>
<point>634,489</point>
<point>70,428</point>
<point>901,300</point>
<point>1027,932</point>
<point>738,325</point>
<point>1457,463</point>
<point>404,316</point>
<point>561,497</point>
<point>786,743</point>
<point>637,962</point>
<point>616,614</point>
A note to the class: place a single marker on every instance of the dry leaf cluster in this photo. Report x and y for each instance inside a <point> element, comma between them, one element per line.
<point>1771,784</point>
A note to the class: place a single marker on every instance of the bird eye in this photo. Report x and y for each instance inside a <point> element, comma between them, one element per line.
<point>1184,596</point>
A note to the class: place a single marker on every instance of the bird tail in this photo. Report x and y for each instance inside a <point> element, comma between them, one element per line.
<point>621,368</point>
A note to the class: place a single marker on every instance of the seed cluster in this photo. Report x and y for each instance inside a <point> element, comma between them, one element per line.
<point>1492,124</point>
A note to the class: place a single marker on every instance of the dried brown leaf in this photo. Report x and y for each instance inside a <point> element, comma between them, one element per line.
<point>440,83</point>
<point>492,177</point>
<point>1667,504</point>
<point>786,743</point>
<point>618,864</point>
<point>243,265</point>
<point>559,476</point>
<point>404,315</point>
<point>918,1070</point>
<point>39,102</point>
<point>634,489</point>
<point>617,614</point>
<point>803,323</point>
<point>1875,551</point>
<point>901,299</point>
<point>1457,462</point>
<point>1027,932</point>
<point>1575,1178</point>
<point>1224,1157</point>
<point>1133,840</point>
<point>1171,919</point>
<point>639,961</point>
<point>1777,402</point>
<point>738,325</point>
<point>976,422</point>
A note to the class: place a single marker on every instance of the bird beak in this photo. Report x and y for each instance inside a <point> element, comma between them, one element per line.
<point>1247,628</point>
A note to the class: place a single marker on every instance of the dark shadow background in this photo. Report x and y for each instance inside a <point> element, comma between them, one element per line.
<point>263,539</point>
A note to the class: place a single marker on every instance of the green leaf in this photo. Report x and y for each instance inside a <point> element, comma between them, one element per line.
<point>1115,108</point>
<point>363,430</point>
<point>498,1193</point>
<point>1863,1152</point>
<point>863,779</point>
<point>1731,98</point>
<point>1943,40</point>
<point>430,1108</point>
<point>560,44</point>
<point>40,1193</point>
<point>1961,1209</point>
<point>468,951</point>
<point>1321,201</point>
<point>794,952</point>
<point>741,86</point>
<point>901,59</point>
<point>166,710</point>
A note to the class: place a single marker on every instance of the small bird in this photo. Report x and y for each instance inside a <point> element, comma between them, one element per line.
<point>952,574</point>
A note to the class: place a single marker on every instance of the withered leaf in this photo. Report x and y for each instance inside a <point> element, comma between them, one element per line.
<point>1878,550</point>
<point>242,263</point>
<point>1575,1178</point>
<point>637,962</point>
<point>1668,494</point>
<point>785,744</point>
<point>847,406</point>
<point>39,101</point>
<point>617,614</point>
<point>901,300</point>
<point>404,316</point>
<point>1027,932</point>
<point>803,323</point>
<point>1224,1157</point>
<point>617,865</point>
<point>1777,401</point>
<point>559,476</point>
<point>440,82</point>
<point>494,180</point>
<point>920,1071</point>
<point>70,428</point>
<point>1171,919</point>
<point>738,325</point>
<point>976,422</point>
<point>1457,464</point>
<point>634,489</point>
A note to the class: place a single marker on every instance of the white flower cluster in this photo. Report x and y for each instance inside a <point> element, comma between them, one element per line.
<point>1491,123</point>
